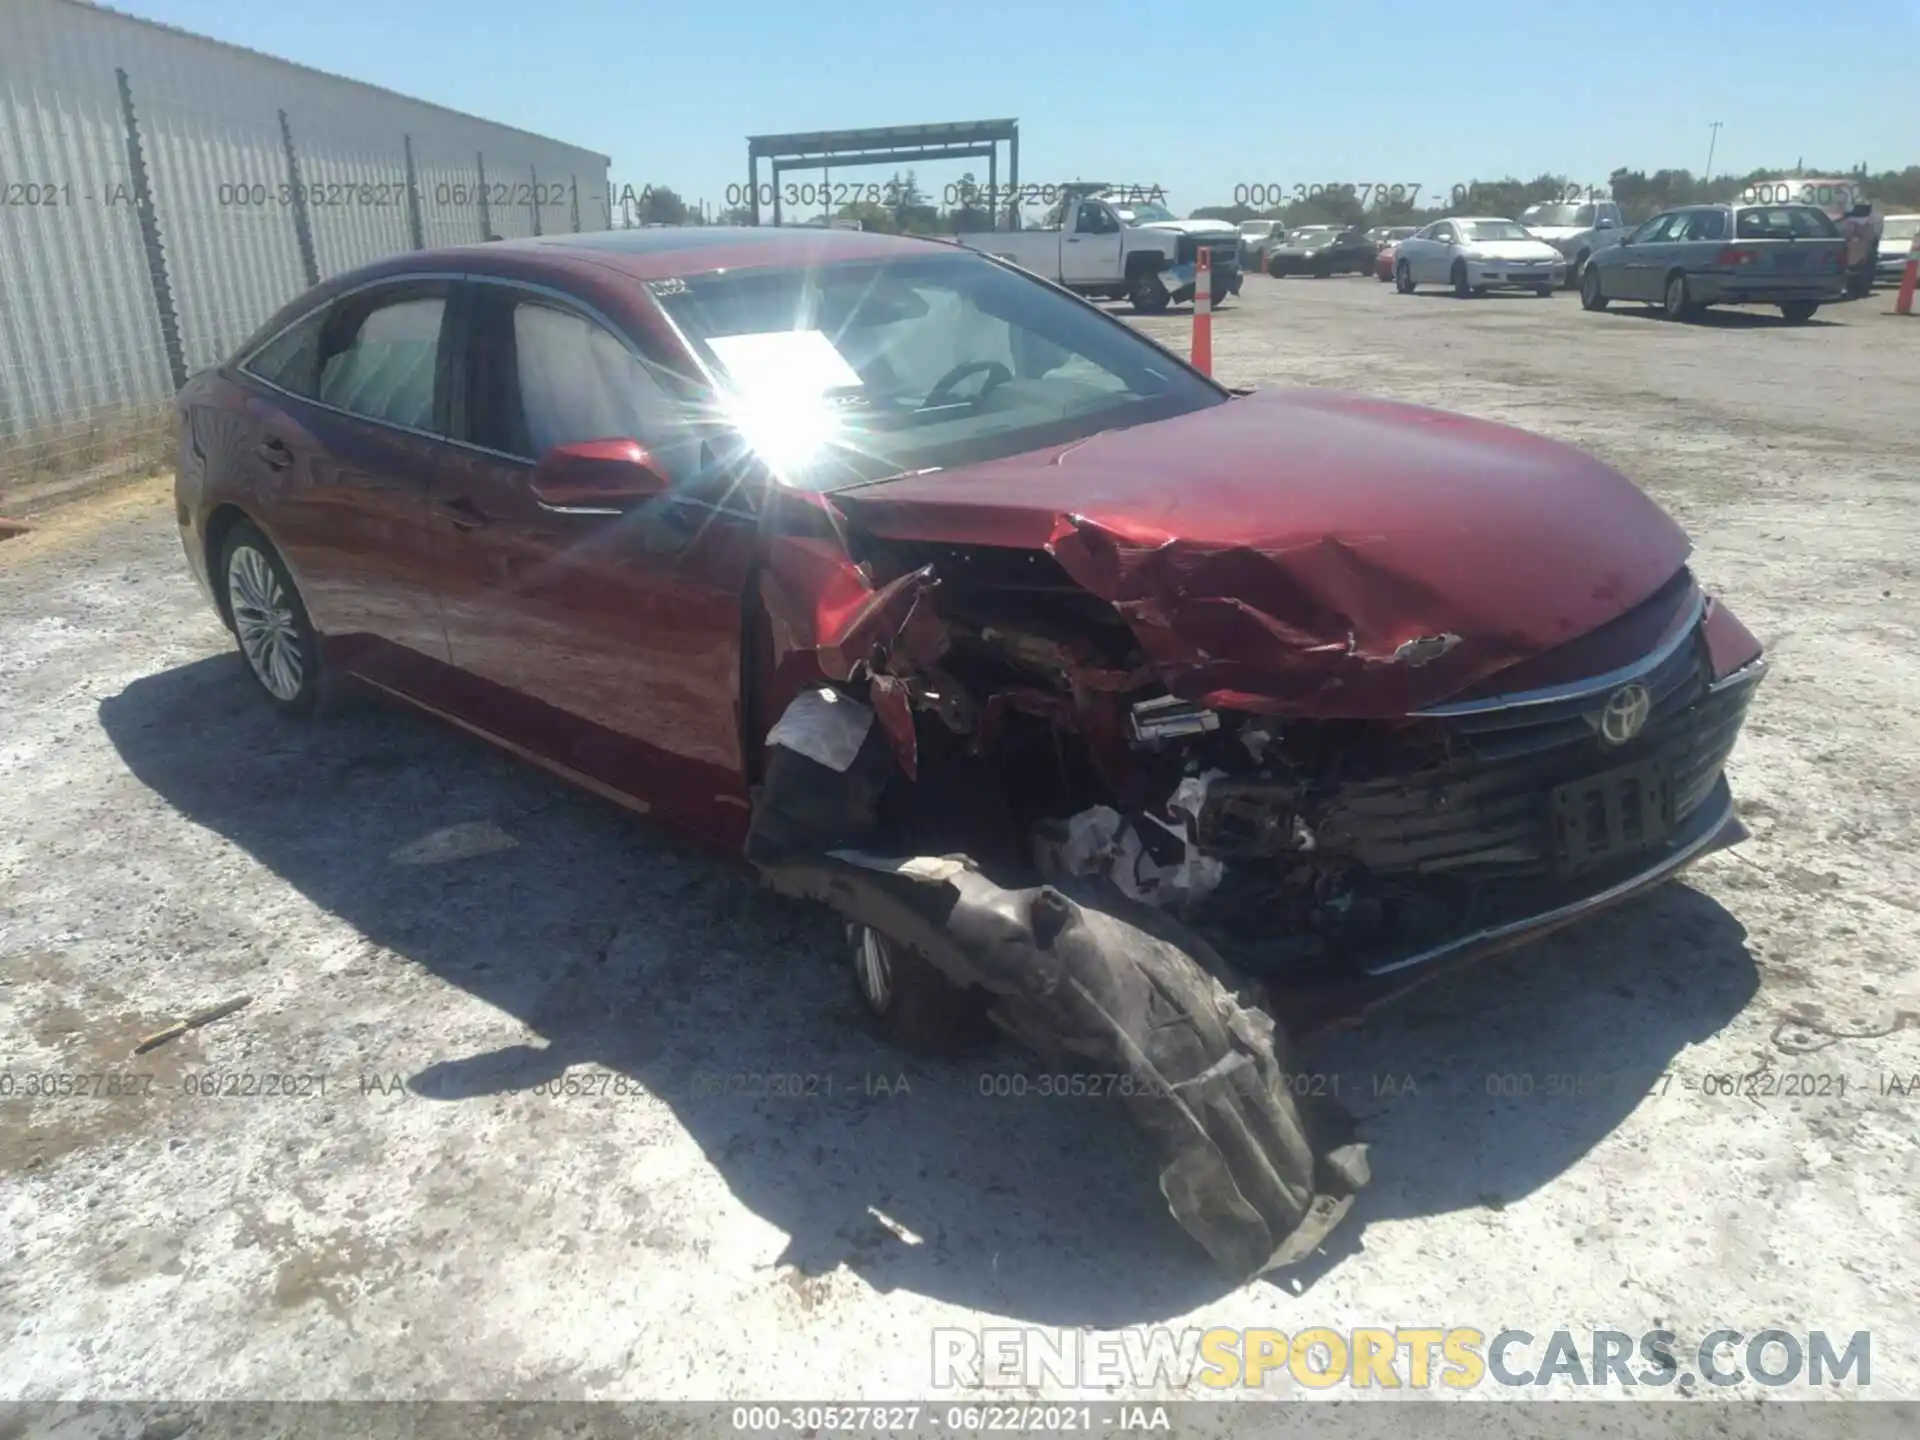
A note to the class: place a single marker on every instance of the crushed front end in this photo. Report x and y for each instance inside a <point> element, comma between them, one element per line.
<point>1152,852</point>
<point>1372,849</point>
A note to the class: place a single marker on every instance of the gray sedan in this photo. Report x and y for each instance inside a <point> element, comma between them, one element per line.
<point>1684,260</point>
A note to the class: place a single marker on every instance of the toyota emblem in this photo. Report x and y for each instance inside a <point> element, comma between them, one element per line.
<point>1626,714</point>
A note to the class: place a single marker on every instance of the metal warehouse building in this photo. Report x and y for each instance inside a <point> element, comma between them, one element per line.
<point>161,194</point>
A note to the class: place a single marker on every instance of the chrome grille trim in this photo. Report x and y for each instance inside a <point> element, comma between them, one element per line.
<point>1594,685</point>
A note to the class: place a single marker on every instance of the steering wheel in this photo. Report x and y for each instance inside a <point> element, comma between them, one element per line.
<point>943,388</point>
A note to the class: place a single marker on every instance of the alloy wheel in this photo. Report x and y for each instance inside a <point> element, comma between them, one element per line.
<point>264,621</point>
<point>873,970</point>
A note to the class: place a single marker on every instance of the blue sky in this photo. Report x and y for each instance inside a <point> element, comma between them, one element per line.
<point>1338,91</point>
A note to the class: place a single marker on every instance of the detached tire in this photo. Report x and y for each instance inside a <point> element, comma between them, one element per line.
<point>1461,289</point>
<point>270,622</point>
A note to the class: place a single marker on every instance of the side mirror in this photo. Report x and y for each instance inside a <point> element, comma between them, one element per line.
<point>596,477</point>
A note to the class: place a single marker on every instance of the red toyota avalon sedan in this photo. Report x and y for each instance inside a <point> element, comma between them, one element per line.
<point>1116,709</point>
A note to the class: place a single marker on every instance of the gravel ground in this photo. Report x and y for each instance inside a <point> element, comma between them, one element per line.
<point>429,931</point>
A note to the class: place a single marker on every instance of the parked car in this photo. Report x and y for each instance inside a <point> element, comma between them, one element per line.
<point>1686,259</point>
<point>1575,230</point>
<point>1089,247</point>
<point>1475,255</point>
<point>945,598</point>
<point>1321,250</point>
<point>1896,243</point>
<point>1388,238</point>
<point>1257,237</point>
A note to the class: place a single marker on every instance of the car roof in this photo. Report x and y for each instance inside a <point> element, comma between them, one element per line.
<point>1484,219</point>
<point>660,253</point>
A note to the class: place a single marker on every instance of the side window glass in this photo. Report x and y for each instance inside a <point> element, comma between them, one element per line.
<point>383,368</point>
<point>1096,220</point>
<point>569,379</point>
<point>291,360</point>
<point>1711,225</point>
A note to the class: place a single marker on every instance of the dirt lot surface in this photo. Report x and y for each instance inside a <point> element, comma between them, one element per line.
<point>432,933</point>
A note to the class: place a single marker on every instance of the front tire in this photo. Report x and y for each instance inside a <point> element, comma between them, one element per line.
<point>270,622</point>
<point>1149,294</point>
<point>1545,292</point>
<point>911,1002</point>
<point>1592,297</point>
<point>1798,312</point>
<point>1403,278</point>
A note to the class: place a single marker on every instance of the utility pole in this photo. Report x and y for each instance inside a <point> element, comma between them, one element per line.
<point>1714,126</point>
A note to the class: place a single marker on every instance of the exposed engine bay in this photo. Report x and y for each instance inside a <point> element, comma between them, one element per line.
<point>1293,844</point>
<point>978,708</point>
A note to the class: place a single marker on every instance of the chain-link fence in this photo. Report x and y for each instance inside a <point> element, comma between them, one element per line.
<point>161,195</point>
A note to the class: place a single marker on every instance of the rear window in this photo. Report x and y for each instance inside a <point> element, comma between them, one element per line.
<point>1783,222</point>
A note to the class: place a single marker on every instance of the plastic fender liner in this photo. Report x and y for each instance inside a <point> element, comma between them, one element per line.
<point>1250,1171</point>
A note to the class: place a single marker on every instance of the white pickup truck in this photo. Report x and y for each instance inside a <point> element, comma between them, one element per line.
<point>1576,228</point>
<point>1087,245</point>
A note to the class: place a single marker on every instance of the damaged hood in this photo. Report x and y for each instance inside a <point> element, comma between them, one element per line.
<point>1306,552</point>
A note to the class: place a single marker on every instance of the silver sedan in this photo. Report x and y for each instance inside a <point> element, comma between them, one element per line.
<point>1475,254</point>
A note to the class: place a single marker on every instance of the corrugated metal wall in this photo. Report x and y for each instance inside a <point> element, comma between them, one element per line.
<point>162,194</point>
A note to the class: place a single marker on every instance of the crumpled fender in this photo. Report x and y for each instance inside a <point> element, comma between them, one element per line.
<point>1252,1167</point>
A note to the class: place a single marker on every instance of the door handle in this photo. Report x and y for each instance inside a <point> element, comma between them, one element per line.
<point>274,453</point>
<point>465,514</point>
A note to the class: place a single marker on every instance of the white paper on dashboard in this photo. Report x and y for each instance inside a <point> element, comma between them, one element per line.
<point>784,362</point>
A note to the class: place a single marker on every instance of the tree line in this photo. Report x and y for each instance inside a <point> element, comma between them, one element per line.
<point>1637,193</point>
<point>910,210</point>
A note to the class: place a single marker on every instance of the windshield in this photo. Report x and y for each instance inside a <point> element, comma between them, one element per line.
<point>861,370</point>
<point>1493,230</point>
<point>1143,212</point>
<point>1254,229</point>
<point>1902,227</point>
<point>1312,235</point>
<point>1557,215</point>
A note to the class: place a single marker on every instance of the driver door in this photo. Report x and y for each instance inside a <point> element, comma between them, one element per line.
<point>606,642</point>
<point>1090,252</point>
<point>1436,257</point>
<point>1638,266</point>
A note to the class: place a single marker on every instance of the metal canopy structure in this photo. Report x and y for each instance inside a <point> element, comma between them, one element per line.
<point>829,150</point>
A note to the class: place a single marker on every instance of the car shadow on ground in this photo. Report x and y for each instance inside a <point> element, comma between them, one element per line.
<point>630,952</point>
<point>1721,318</point>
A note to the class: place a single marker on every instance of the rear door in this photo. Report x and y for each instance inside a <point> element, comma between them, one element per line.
<point>348,417</point>
<point>608,643</point>
<point>1697,248</point>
